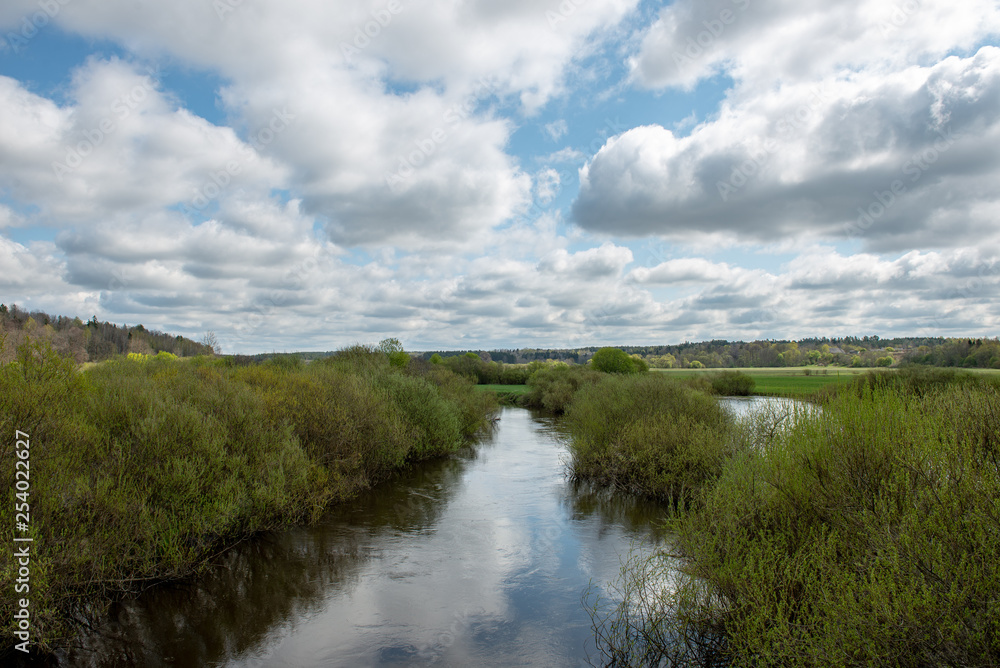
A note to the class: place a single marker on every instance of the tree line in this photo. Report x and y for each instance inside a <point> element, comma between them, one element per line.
<point>852,351</point>
<point>91,341</point>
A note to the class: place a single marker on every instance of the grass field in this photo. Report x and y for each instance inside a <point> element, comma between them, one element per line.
<point>504,389</point>
<point>784,382</point>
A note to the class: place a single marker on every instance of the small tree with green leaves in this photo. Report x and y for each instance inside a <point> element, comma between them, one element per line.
<point>393,349</point>
<point>614,360</point>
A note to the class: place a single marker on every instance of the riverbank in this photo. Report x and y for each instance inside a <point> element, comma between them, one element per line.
<point>851,535</point>
<point>478,558</point>
<point>142,469</point>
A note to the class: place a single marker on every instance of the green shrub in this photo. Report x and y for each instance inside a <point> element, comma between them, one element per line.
<point>856,537</point>
<point>649,435</point>
<point>435,421</point>
<point>553,387</point>
<point>476,410</point>
<point>614,360</point>
<point>141,471</point>
<point>732,384</point>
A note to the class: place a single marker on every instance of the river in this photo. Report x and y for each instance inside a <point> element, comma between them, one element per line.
<point>478,559</point>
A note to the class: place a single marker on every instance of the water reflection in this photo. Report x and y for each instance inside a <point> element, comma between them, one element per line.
<point>478,559</point>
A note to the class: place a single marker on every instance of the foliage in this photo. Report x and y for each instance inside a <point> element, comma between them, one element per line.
<point>733,384</point>
<point>614,360</point>
<point>142,471</point>
<point>552,388</point>
<point>393,349</point>
<point>854,536</point>
<point>650,435</point>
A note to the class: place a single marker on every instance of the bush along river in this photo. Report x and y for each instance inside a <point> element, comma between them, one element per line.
<point>478,559</point>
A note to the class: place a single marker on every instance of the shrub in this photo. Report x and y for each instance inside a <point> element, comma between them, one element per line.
<point>614,360</point>
<point>732,384</point>
<point>649,435</point>
<point>143,471</point>
<point>476,410</point>
<point>138,472</point>
<point>855,538</point>
<point>553,387</point>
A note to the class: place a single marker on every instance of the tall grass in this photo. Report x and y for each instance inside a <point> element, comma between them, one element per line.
<point>141,470</point>
<point>861,534</point>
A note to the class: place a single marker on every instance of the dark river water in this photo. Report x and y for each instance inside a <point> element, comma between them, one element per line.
<point>479,559</point>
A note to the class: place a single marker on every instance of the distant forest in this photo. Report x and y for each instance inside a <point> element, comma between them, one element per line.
<point>94,341</point>
<point>90,341</point>
<point>868,351</point>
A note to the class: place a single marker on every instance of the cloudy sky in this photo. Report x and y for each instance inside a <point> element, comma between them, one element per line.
<point>503,173</point>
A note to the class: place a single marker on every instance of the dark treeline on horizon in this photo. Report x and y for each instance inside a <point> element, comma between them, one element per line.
<point>94,341</point>
<point>857,351</point>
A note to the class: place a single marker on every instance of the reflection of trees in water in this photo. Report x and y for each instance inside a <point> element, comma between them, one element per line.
<point>257,591</point>
<point>614,509</point>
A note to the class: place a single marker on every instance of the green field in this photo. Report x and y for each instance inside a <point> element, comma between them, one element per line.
<point>785,381</point>
<point>504,389</point>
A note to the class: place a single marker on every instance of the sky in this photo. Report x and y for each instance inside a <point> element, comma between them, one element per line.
<point>480,174</point>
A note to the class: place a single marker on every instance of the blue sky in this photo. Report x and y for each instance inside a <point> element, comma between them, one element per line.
<point>477,174</point>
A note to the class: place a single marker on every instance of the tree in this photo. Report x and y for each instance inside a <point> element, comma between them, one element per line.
<point>393,349</point>
<point>212,341</point>
<point>613,360</point>
<point>436,359</point>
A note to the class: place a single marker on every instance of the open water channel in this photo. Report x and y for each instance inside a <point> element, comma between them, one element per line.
<point>478,559</point>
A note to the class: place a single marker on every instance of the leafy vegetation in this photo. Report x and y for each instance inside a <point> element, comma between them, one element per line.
<point>733,384</point>
<point>143,468</point>
<point>552,388</point>
<point>616,360</point>
<point>853,535</point>
<point>649,435</point>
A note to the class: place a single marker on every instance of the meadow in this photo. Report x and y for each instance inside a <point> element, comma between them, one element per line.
<point>795,382</point>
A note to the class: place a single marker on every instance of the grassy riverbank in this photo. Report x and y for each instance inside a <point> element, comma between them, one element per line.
<point>860,534</point>
<point>140,470</point>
